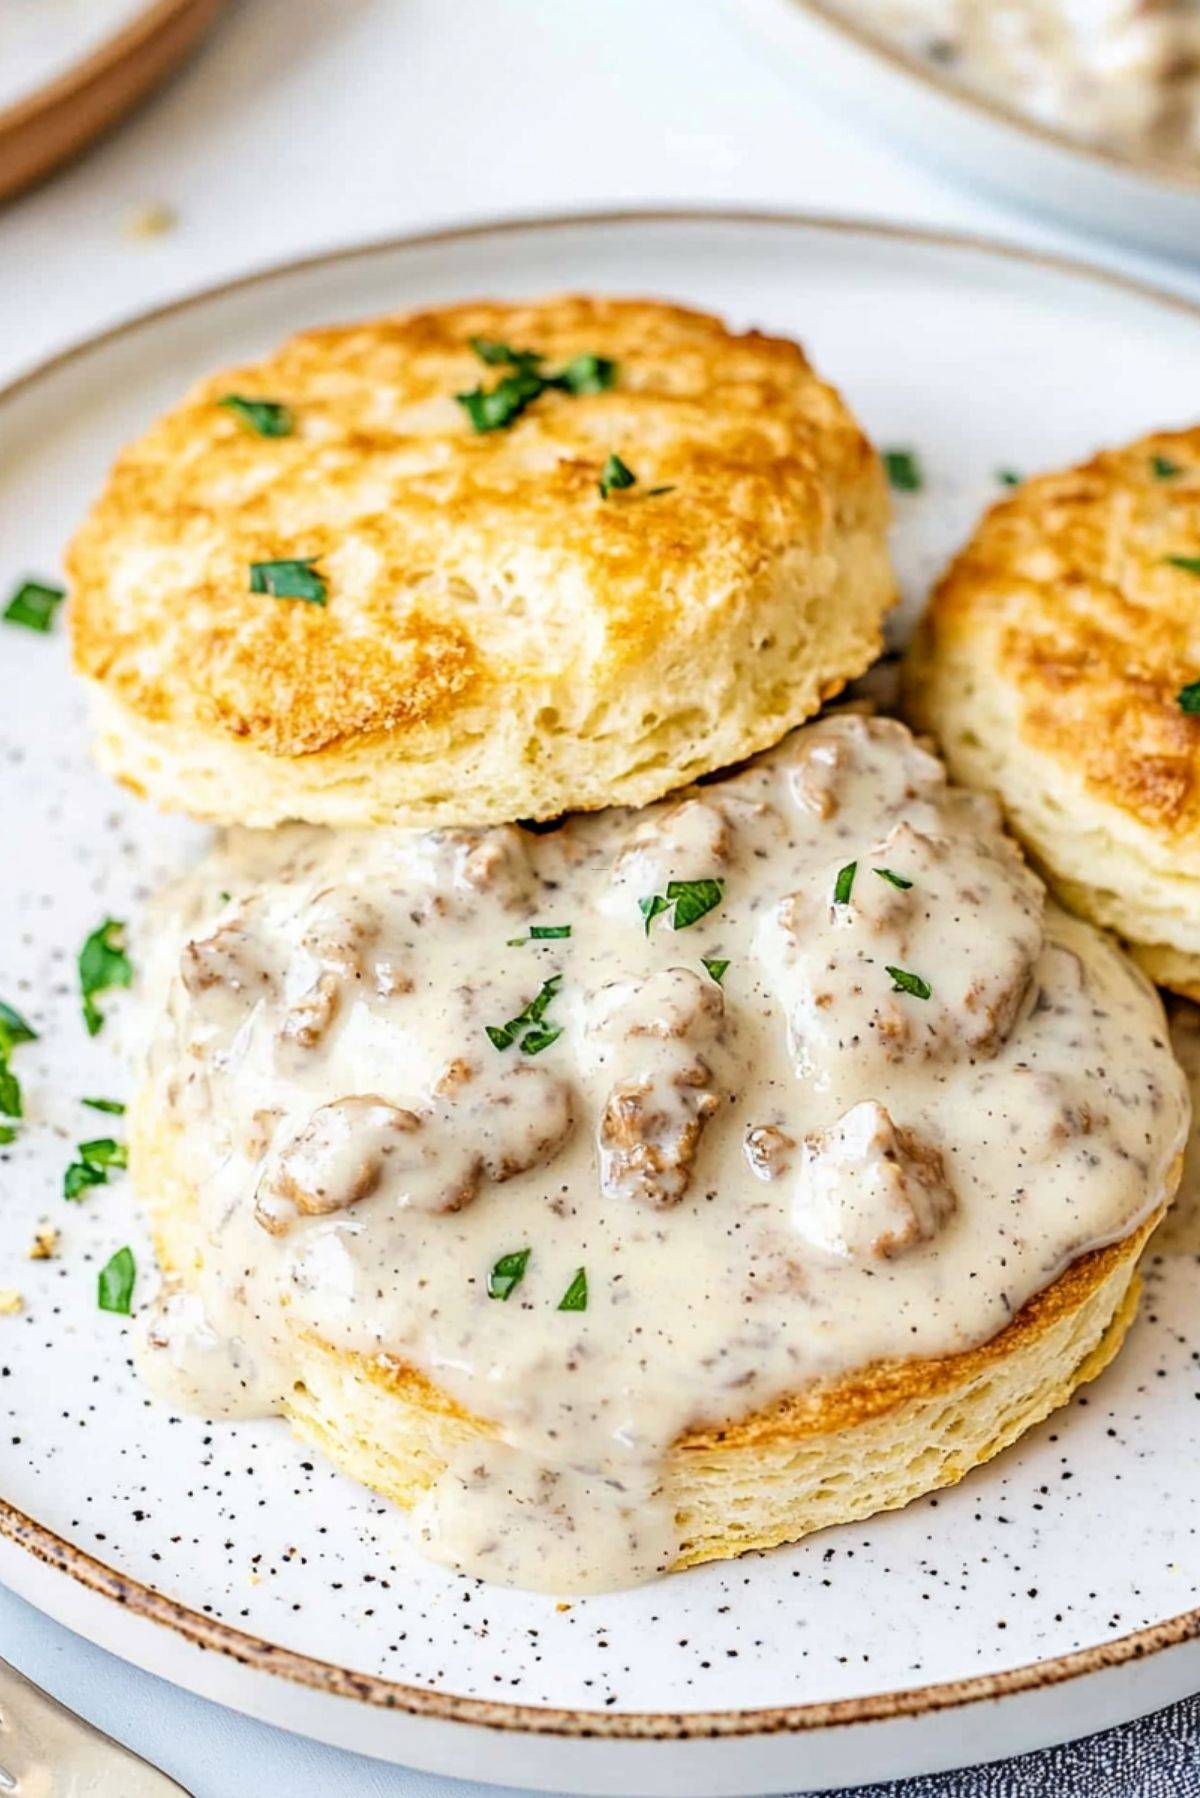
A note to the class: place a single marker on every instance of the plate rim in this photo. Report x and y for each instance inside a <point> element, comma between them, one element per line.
<point>153,40</point>
<point>215,1635</point>
<point>1163,174</point>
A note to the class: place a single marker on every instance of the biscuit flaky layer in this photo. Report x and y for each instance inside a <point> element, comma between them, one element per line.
<point>1049,667</point>
<point>498,640</point>
<point>839,1451</point>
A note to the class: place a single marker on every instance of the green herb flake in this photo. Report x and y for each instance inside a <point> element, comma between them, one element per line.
<point>114,1107</point>
<point>104,1151</point>
<point>904,982</point>
<point>508,1273</point>
<point>614,476</point>
<point>586,374</point>
<point>500,355</point>
<point>894,879</point>
<point>295,578</point>
<point>1008,477</point>
<point>693,900</point>
<point>14,1026</point>
<point>496,408</point>
<point>79,1176</point>
<point>903,470</point>
<point>575,1298</point>
<point>1164,469</point>
<point>687,900</point>
<point>653,907</point>
<point>715,969</point>
<point>655,492</point>
<point>541,933</point>
<point>1188,698</point>
<point>843,886</point>
<point>1189,564</point>
<point>10,1090</point>
<point>266,418</point>
<point>114,1286</point>
<point>8,1134</point>
<point>103,964</point>
<point>527,1025</point>
<point>35,605</point>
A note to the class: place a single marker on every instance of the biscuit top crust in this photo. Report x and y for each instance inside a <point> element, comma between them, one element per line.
<point>1075,595</point>
<point>455,562</point>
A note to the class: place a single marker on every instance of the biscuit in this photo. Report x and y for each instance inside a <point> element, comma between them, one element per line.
<point>479,634</point>
<point>1050,667</point>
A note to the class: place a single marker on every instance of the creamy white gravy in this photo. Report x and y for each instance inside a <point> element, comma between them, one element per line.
<point>768,1173</point>
<point>1124,74</point>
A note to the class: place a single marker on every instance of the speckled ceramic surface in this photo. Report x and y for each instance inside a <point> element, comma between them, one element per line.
<point>1083,1535</point>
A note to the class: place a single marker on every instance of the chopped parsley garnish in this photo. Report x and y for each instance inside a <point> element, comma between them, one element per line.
<point>691,900</point>
<point>843,886</point>
<point>528,1024</point>
<point>508,1273</point>
<point>654,492</point>
<point>1164,469</point>
<point>1189,698</point>
<point>13,1030</point>
<point>653,907</point>
<point>614,476</point>
<point>499,355</point>
<point>541,933</point>
<point>115,1107</point>
<point>716,969</point>
<point>34,604</point>
<point>103,964</point>
<point>7,1134</point>
<point>576,1296</point>
<point>10,1089</point>
<point>586,374</point>
<point>894,879</point>
<point>104,1151</point>
<point>92,1168</point>
<point>14,1027</point>
<point>1008,477</point>
<point>496,408</point>
<point>904,982</point>
<point>1189,564</point>
<point>267,418</point>
<point>114,1287</point>
<point>903,470</point>
<point>80,1175</point>
<point>290,579</point>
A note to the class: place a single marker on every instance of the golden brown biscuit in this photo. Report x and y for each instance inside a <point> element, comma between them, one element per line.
<point>480,634</point>
<point>1051,667</point>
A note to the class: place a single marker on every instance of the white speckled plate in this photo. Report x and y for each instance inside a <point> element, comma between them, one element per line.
<point>987,143</point>
<point>1051,1593</point>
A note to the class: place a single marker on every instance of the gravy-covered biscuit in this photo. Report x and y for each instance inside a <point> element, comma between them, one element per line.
<point>1056,668</point>
<point>478,563</point>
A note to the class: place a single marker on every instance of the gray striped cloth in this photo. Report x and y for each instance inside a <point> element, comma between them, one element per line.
<point>1157,1757</point>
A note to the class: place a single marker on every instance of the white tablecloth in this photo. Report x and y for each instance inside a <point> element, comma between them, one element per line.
<point>310,123</point>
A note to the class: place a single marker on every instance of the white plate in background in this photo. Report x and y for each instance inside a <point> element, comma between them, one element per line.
<point>978,139</point>
<point>1054,1592</point>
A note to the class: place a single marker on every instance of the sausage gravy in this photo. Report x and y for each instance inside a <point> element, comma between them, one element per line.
<point>640,1123</point>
